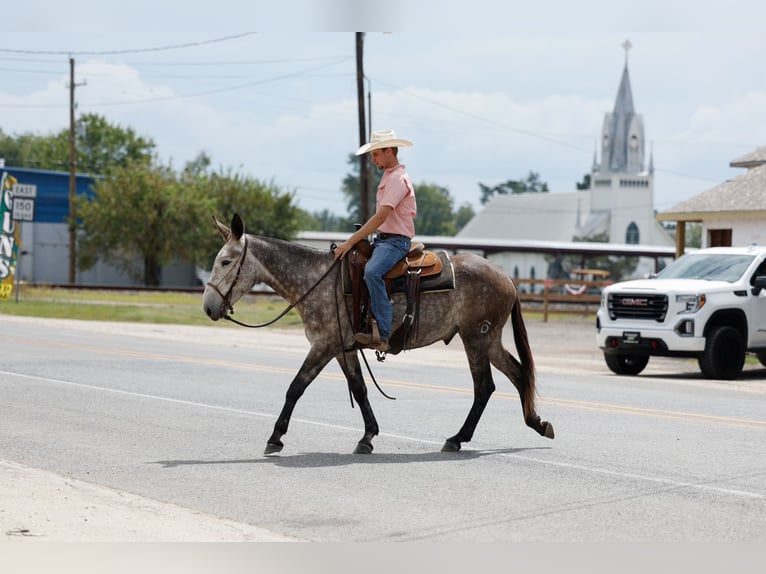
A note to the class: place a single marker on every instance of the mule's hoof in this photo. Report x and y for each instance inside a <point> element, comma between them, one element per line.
<point>548,430</point>
<point>272,448</point>
<point>450,446</point>
<point>363,448</point>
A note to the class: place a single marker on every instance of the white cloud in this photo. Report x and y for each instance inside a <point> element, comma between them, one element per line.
<point>480,106</point>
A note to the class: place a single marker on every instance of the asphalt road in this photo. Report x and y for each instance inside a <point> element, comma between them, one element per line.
<point>142,432</point>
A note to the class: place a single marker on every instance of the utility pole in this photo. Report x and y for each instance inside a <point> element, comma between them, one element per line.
<point>72,181</point>
<point>363,170</point>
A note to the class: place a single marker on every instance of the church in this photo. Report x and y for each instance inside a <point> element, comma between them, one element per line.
<point>619,204</point>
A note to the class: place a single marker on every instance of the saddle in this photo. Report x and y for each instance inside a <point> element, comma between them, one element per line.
<point>419,261</point>
<point>405,277</point>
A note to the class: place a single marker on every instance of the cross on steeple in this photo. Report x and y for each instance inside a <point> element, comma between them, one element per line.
<point>626,46</point>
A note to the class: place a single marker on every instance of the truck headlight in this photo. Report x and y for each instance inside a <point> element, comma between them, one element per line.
<point>690,303</point>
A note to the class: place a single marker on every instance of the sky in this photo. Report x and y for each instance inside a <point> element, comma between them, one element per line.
<point>486,90</point>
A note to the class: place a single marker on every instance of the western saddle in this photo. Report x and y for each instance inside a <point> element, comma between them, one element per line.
<point>418,263</point>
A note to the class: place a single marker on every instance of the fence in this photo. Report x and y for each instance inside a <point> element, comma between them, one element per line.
<point>549,296</point>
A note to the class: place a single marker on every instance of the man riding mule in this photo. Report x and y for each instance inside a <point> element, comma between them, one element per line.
<point>477,309</point>
<point>394,221</point>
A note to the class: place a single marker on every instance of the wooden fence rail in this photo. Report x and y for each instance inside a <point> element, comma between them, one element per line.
<point>560,295</point>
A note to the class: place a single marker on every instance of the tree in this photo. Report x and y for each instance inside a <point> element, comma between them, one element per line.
<point>434,210</point>
<point>19,151</point>
<point>99,147</point>
<point>265,208</point>
<point>532,184</point>
<point>352,187</point>
<point>584,184</point>
<point>693,232</point>
<point>142,217</point>
<point>144,212</point>
<point>324,221</point>
<point>464,214</point>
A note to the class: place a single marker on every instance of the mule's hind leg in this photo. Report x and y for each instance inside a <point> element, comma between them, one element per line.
<point>483,387</point>
<point>520,376</point>
<point>349,363</point>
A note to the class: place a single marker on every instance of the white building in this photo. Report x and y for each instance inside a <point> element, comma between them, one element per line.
<point>619,202</point>
<point>731,213</point>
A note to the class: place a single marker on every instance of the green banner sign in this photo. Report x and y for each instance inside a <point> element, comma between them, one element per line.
<point>9,237</point>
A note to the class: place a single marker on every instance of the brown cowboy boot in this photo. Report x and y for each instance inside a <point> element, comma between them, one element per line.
<point>370,339</point>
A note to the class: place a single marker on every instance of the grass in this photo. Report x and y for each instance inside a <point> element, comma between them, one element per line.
<point>176,307</point>
<point>138,306</point>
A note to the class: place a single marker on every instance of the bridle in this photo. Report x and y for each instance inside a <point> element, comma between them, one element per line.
<point>226,298</point>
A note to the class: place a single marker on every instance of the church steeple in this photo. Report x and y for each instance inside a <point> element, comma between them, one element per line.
<point>622,146</point>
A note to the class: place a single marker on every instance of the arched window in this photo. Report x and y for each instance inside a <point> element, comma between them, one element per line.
<point>631,235</point>
<point>516,272</point>
<point>533,287</point>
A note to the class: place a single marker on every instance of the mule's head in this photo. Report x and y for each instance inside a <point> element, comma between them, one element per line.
<point>229,279</point>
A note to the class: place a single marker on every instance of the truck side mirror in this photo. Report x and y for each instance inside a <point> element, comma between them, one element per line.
<point>759,284</point>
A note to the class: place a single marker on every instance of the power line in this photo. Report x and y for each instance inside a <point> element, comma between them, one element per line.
<point>128,51</point>
<point>487,120</point>
<point>185,96</point>
<point>235,62</point>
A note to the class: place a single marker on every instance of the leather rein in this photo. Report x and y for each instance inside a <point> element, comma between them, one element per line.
<point>226,298</point>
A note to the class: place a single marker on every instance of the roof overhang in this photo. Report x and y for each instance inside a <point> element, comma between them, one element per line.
<point>699,216</point>
<point>489,246</point>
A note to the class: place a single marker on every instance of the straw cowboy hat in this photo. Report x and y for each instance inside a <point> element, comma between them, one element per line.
<point>385,138</point>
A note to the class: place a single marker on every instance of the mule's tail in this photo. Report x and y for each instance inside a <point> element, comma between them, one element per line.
<point>529,392</point>
<point>526,387</point>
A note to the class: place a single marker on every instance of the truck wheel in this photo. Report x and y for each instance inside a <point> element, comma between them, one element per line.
<point>624,364</point>
<point>762,357</point>
<point>724,354</point>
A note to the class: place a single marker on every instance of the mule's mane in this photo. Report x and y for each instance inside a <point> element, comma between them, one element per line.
<point>291,267</point>
<point>290,245</point>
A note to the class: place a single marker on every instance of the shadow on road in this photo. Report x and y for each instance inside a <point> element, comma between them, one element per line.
<point>326,459</point>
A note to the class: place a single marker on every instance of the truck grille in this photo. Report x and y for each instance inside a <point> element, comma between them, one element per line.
<point>630,306</point>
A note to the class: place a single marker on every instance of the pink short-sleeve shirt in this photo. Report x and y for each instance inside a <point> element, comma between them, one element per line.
<point>396,191</point>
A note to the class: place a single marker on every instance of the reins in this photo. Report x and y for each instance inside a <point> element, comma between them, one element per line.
<point>283,313</point>
<point>361,351</point>
<point>226,299</point>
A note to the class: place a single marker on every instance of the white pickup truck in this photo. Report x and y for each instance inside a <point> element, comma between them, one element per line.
<point>709,304</point>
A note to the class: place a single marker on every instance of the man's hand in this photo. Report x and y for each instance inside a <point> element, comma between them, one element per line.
<point>342,249</point>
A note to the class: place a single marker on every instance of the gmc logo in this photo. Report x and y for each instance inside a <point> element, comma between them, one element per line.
<point>634,302</point>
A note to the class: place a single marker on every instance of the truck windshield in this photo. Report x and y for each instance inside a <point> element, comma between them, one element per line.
<point>710,267</point>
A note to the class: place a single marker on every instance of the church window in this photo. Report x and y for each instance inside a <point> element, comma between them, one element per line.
<point>631,235</point>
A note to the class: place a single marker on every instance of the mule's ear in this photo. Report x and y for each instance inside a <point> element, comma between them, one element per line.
<point>237,226</point>
<point>222,229</point>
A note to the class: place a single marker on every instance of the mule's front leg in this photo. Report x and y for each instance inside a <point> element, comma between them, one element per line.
<point>312,366</point>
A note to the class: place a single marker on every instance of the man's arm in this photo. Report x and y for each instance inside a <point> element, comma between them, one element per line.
<point>368,228</point>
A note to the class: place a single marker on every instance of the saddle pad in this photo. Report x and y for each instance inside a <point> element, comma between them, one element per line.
<point>444,281</point>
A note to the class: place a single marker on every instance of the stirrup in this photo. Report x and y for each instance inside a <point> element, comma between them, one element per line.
<point>369,339</point>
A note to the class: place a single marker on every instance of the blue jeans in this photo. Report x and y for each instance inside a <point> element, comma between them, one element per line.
<point>385,254</point>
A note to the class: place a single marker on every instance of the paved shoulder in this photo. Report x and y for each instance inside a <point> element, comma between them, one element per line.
<point>36,504</point>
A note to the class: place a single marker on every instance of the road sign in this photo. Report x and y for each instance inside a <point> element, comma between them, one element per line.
<point>23,209</point>
<point>28,190</point>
